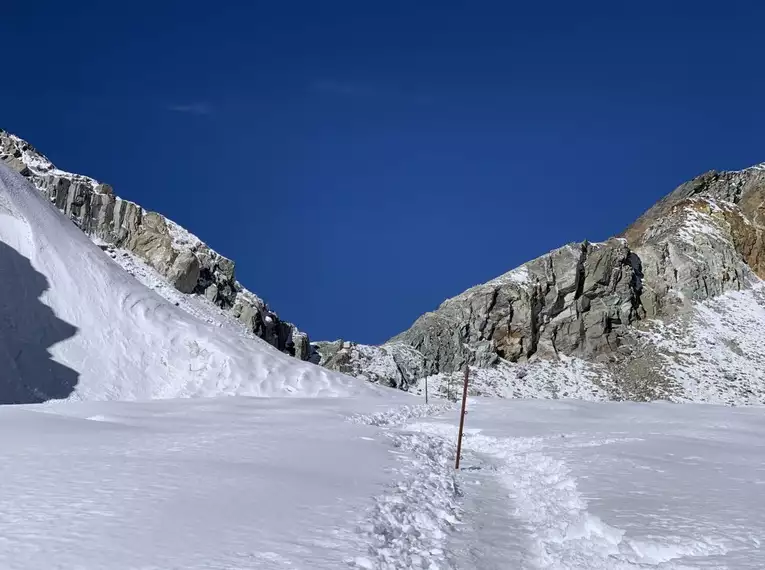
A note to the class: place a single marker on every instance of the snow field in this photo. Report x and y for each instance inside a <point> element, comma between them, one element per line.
<point>267,483</point>
<point>255,483</point>
<point>194,484</point>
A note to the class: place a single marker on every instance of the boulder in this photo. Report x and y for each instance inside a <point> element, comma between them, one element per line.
<point>152,243</point>
<point>184,272</point>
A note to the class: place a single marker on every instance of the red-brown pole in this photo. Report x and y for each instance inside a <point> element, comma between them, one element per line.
<point>462,418</point>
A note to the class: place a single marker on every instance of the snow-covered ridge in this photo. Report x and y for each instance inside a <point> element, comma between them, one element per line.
<point>36,162</point>
<point>75,325</point>
<point>760,166</point>
<point>183,260</point>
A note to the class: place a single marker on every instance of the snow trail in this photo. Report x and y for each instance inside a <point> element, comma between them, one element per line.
<point>550,512</point>
<point>410,524</point>
<point>525,509</point>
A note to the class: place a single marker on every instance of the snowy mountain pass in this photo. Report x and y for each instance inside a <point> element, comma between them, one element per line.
<point>582,485</point>
<point>117,471</point>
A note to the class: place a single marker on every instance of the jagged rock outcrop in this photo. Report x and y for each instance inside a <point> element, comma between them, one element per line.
<point>618,319</point>
<point>573,300</point>
<point>395,364</point>
<point>180,257</point>
<point>595,302</point>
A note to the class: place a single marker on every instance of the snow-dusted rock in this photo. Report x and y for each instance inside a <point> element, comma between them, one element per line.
<point>395,364</point>
<point>580,321</point>
<point>574,300</point>
<point>180,257</point>
<point>184,273</point>
<point>595,302</point>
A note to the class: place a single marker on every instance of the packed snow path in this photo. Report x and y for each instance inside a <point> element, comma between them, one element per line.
<point>610,486</point>
<point>411,522</point>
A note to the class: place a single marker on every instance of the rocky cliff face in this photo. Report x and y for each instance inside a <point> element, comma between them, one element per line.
<point>180,257</point>
<point>605,305</point>
<point>674,308</point>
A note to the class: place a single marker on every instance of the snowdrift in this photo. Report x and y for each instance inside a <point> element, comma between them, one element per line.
<point>74,325</point>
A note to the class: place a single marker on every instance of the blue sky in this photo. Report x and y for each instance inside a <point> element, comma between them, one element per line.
<point>363,161</point>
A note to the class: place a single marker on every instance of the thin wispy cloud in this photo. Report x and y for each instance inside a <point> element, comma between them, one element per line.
<point>191,109</point>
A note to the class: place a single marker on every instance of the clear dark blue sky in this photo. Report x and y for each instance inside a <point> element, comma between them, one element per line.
<point>362,161</point>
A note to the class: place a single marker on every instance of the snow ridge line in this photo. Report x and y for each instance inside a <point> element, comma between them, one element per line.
<point>408,527</point>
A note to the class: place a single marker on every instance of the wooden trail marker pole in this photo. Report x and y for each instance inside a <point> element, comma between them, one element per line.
<point>462,418</point>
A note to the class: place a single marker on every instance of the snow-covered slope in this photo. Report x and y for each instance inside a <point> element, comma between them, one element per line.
<point>180,259</point>
<point>109,336</point>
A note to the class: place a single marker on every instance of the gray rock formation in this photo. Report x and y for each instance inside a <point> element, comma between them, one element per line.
<point>395,364</point>
<point>180,257</point>
<point>594,301</point>
<point>573,300</point>
<point>184,273</point>
<point>587,320</point>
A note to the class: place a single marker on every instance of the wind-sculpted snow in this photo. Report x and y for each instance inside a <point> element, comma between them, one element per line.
<point>130,343</point>
<point>28,329</point>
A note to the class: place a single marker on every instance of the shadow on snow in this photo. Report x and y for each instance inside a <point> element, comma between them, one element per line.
<point>28,328</point>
